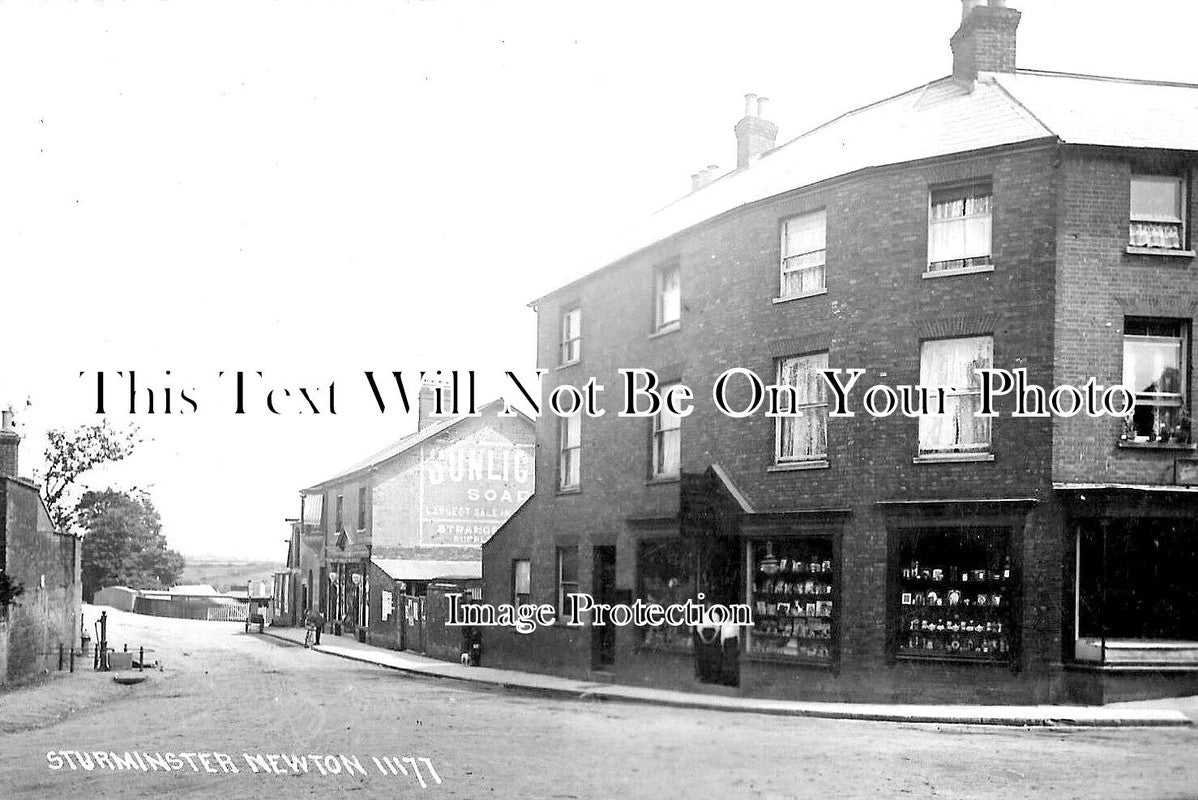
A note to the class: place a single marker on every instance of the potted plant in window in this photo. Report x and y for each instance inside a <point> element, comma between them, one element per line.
<point>1181,431</point>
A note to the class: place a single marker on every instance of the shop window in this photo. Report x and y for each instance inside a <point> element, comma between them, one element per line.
<point>570,452</point>
<point>804,438</point>
<point>1155,367</point>
<point>667,440</point>
<point>362,508</point>
<point>571,336</point>
<point>667,292</point>
<point>521,582</point>
<point>1157,212</point>
<point>1137,583</point>
<point>956,595</point>
<point>567,581</point>
<point>804,254</point>
<point>666,576</point>
<point>793,595</point>
<point>953,364</point>
<point>959,224</point>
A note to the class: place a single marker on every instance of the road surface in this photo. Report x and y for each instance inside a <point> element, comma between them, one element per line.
<point>228,700</point>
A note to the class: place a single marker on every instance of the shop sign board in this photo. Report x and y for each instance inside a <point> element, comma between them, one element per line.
<point>470,487</point>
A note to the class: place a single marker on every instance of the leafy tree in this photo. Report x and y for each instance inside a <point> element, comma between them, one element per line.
<point>124,544</point>
<point>70,454</point>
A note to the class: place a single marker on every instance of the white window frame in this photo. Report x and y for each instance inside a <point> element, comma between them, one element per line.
<point>569,453</point>
<point>817,257</point>
<point>661,322</point>
<point>565,587</point>
<point>953,394</point>
<point>962,192</point>
<point>805,408</point>
<point>1159,219</point>
<point>571,336</point>
<point>660,435</point>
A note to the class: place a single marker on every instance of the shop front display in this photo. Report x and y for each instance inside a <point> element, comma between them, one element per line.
<point>792,590</point>
<point>956,595</point>
<point>666,576</point>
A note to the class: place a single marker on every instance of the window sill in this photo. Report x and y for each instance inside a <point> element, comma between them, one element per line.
<point>798,466</point>
<point>666,330</point>
<point>788,298</point>
<point>952,458</point>
<point>948,273</point>
<point>1159,251</point>
<point>569,490</point>
<point>1130,445</point>
<point>569,364</point>
<point>660,479</point>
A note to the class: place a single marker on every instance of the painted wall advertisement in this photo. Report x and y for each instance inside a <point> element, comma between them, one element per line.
<point>469,488</point>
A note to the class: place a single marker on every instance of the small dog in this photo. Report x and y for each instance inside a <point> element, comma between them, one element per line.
<point>465,659</point>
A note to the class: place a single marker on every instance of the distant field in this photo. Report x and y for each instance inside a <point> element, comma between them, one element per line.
<point>223,574</point>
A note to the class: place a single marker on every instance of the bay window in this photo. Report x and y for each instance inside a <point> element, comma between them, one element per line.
<point>951,364</point>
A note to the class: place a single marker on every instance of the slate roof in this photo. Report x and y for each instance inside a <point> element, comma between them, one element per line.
<point>941,118</point>
<point>411,441</point>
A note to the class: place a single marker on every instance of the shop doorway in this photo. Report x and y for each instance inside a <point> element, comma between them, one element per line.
<point>717,650</point>
<point>603,637</point>
<point>412,631</point>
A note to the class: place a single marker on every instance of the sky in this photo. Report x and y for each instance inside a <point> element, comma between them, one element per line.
<point>316,189</point>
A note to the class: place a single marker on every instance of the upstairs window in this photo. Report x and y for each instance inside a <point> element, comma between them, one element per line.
<point>952,364</point>
<point>1155,368</point>
<point>362,508</point>
<point>1157,212</point>
<point>959,228</point>
<point>569,463</point>
<point>667,440</point>
<point>340,512</point>
<point>667,289</point>
<point>571,336</point>
<point>804,438</point>
<point>804,252</point>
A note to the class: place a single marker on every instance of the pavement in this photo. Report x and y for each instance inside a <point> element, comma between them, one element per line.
<point>1158,713</point>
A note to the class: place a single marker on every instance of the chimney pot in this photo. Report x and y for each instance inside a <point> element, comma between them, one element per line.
<point>754,135</point>
<point>761,101</point>
<point>426,403</point>
<point>750,102</point>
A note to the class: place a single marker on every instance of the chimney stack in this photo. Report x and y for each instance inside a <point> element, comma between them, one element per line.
<point>754,135</point>
<point>426,403</point>
<point>985,42</point>
<point>9,440</point>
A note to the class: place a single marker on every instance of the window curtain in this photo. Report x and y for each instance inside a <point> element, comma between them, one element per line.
<point>950,363</point>
<point>806,436</point>
<point>959,228</point>
<point>670,296</point>
<point>804,248</point>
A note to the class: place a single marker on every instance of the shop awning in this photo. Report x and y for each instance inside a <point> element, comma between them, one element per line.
<point>405,569</point>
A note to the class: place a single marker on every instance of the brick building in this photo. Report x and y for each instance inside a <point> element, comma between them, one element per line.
<point>43,561</point>
<point>997,217</point>
<point>373,539</point>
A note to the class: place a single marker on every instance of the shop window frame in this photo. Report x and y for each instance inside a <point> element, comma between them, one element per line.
<point>897,534</point>
<point>835,646</point>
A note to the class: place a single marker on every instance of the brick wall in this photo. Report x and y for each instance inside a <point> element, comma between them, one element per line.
<point>877,310</point>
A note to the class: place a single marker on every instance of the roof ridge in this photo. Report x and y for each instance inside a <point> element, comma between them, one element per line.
<point>1107,78</point>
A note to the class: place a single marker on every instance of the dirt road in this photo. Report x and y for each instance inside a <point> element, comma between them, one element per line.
<point>225,693</point>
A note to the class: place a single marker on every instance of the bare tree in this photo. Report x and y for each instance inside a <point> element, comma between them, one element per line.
<point>71,454</point>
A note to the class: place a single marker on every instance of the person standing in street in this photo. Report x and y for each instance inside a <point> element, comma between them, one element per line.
<point>316,620</point>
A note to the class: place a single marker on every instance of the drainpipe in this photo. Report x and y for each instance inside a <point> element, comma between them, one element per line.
<point>1103,525</point>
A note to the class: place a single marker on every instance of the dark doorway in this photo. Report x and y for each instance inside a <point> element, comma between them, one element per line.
<point>603,638</point>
